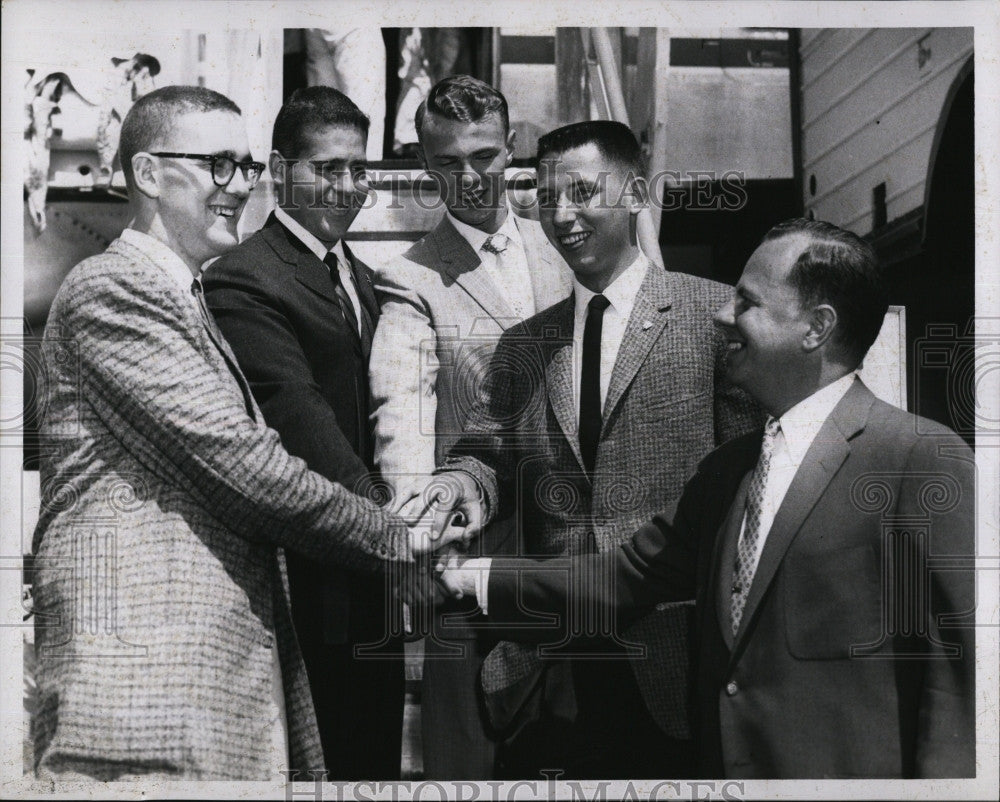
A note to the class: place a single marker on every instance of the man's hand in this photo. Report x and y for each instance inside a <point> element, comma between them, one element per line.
<point>457,500</point>
<point>461,577</point>
<point>425,537</point>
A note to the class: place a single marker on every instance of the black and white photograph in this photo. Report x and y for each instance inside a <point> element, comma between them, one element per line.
<point>500,401</point>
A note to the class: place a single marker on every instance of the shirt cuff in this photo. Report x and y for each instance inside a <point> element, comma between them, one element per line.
<point>480,568</point>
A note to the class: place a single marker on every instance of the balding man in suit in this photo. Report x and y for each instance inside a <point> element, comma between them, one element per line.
<point>830,555</point>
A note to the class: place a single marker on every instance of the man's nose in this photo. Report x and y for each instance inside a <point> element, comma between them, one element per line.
<point>564,213</point>
<point>725,315</point>
<point>238,185</point>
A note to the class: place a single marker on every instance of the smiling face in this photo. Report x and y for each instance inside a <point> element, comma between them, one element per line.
<point>198,218</point>
<point>468,159</point>
<point>766,325</point>
<point>585,204</point>
<point>325,185</point>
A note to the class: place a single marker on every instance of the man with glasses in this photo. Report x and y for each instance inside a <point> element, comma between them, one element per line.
<point>299,310</point>
<point>163,635</point>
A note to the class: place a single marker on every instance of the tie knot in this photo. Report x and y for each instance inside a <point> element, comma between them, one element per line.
<point>330,260</point>
<point>196,288</point>
<point>496,243</point>
<point>598,303</point>
<point>771,429</point>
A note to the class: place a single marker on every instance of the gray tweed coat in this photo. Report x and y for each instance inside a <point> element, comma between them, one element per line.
<point>668,405</point>
<point>160,589</point>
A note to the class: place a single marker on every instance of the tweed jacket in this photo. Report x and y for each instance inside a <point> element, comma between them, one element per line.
<point>668,404</point>
<point>855,655</point>
<point>159,591</point>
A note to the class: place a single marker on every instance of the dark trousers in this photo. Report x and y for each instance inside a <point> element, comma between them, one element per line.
<point>611,735</point>
<point>359,708</point>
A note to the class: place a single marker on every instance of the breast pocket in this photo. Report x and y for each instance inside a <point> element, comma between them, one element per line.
<point>832,602</point>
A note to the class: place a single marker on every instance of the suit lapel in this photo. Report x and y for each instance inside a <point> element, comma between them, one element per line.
<point>724,559</point>
<point>550,280</point>
<point>462,263</point>
<point>559,378</point>
<point>363,282</point>
<point>827,453</point>
<point>649,316</point>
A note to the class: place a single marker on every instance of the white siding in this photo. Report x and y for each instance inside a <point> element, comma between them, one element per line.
<point>869,115</point>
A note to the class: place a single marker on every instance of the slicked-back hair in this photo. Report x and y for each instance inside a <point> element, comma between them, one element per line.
<point>839,268</point>
<point>152,116</point>
<point>462,98</point>
<point>309,109</point>
<point>614,140</point>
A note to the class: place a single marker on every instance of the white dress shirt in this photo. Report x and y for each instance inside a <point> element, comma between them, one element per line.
<point>313,244</point>
<point>174,266</point>
<point>799,427</point>
<point>509,271</point>
<point>621,293</point>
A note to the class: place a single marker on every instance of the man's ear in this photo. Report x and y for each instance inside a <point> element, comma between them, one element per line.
<point>637,193</point>
<point>511,139</point>
<point>146,175</point>
<point>822,324</point>
<point>276,164</point>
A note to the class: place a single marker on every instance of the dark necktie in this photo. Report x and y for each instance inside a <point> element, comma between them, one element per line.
<point>366,329</point>
<point>215,335</point>
<point>590,382</point>
<point>746,564</point>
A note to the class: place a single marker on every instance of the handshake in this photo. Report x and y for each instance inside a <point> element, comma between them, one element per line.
<point>444,514</point>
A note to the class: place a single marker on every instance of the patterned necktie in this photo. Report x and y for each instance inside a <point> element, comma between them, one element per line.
<point>746,552</point>
<point>590,382</point>
<point>346,307</point>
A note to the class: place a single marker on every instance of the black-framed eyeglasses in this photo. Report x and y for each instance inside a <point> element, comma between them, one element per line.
<point>223,167</point>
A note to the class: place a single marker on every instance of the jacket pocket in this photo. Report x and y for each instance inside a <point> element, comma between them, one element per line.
<point>832,602</point>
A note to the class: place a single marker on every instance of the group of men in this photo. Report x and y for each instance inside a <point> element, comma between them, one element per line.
<point>218,596</point>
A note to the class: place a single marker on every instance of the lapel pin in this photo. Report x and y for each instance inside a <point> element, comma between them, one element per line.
<point>647,324</point>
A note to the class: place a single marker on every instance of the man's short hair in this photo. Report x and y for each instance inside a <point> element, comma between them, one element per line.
<point>839,268</point>
<point>152,115</point>
<point>614,140</point>
<point>462,98</point>
<point>310,109</point>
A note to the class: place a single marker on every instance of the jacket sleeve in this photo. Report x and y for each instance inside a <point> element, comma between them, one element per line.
<point>946,720</point>
<point>550,600</point>
<point>403,377</point>
<point>261,335</point>
<point>143,369</point>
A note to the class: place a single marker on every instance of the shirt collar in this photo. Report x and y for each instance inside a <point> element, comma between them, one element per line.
<point>307,238</point>
<point>161,255</point>
<point>621,292</point>
<point>476,238</point>
<point>802,422</point>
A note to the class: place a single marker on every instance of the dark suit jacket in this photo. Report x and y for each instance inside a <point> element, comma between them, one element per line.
<point>276,305</point>
<point>668,405</point>
<point>855,656</point>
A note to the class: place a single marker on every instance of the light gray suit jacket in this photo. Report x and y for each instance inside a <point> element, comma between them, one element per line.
<point>160,584</point>
<point>441,319</point>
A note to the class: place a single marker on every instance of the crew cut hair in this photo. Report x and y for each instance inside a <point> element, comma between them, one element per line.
<point>614,140</point>
<point>152,115</point>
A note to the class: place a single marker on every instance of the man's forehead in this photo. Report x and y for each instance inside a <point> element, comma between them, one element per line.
<point>444,133</point>
<point>586,162</point>
<point>216,131</point>
<point>333,141</point>
<point>773,260</point>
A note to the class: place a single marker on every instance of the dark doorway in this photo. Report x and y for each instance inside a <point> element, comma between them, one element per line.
<point>937,284</point>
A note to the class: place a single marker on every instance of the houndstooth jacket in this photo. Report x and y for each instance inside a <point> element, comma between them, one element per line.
<point>160,584</point>
<point>668,404</point>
